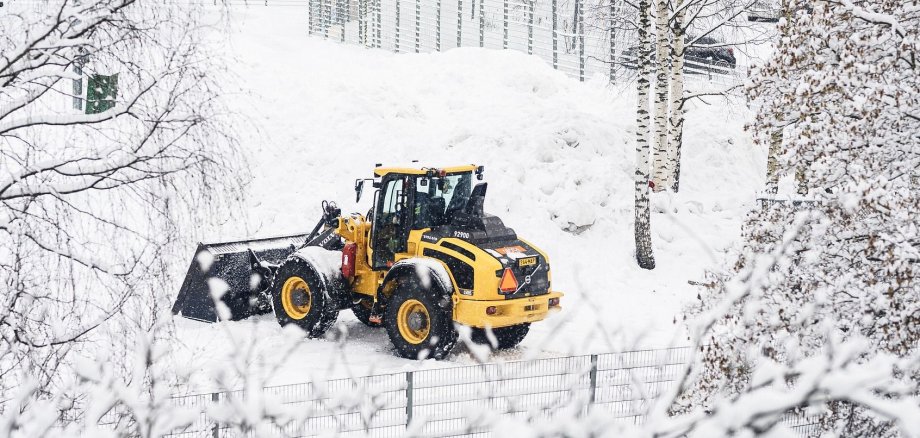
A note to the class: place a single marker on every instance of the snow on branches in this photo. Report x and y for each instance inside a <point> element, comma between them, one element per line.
<point>843,88</point>
<point>92,190</point>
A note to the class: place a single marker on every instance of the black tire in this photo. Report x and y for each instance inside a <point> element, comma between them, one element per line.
<point>362,311</point>
<point>441,335</point>
<point>322,296</point>
<point>505,337</point>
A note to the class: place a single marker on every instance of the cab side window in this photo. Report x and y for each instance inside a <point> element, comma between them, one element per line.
<point>389,223</point>
<point>430,202</point>
<point>391,197</point>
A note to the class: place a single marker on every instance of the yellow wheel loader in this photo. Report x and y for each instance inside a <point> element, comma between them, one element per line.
<point>424,259</point>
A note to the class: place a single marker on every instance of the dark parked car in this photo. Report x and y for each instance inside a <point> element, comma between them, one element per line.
<point>704,52</point>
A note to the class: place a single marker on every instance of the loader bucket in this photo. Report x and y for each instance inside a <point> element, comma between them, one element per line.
<point>233,263</point>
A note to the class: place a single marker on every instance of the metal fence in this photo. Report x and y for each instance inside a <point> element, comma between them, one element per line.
<point>576,37</point>
<point>457,401</point>
<point>460,401</point>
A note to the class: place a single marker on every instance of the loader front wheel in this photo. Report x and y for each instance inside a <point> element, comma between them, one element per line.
<point>296,298</point>
<point>419,321</point>
<point>300,297</point>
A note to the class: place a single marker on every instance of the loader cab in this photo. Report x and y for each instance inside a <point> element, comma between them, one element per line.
<point>415,199</point>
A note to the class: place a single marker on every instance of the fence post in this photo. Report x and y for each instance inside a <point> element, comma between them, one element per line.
<point>581,40</point>
<point>362,33</point>
<point>555,38</point>
<point>505,24</point>
<point>215,433</point>
<point>330,14</point>
<point>325,15</point>
<point>612,35</point>
<point>408,398</point>
<point>418,19</point>
<point>379,24</point>
<point>397,26</point>
<point>341,10</point>
<point>482,24</point>
<point>530,27</point>
<point>437,28</point>
<point>459,23</point>
<point>593,377</point>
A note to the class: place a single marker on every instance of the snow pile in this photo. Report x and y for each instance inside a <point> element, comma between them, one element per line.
<point>559,159</point>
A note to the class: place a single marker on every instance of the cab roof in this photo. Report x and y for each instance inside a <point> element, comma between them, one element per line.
<point>411,170</point>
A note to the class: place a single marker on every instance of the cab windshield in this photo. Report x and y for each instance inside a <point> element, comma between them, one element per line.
<point>438,198</point>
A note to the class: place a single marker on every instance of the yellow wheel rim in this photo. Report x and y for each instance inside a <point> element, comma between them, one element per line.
<point>413,321</point>
<point>296,298</point>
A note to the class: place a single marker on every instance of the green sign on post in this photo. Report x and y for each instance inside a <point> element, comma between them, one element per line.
<point>101,92</point>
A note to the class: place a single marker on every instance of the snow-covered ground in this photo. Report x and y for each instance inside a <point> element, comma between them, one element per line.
<point>559,157</point>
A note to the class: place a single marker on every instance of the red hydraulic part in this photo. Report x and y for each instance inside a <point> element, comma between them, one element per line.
<point>348,260</point>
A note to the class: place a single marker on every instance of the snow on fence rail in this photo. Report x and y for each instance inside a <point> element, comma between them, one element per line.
<point>456,401</point>
<point>573,36</point>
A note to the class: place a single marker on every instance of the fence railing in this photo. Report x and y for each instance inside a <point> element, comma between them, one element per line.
<point>444,402</point>
<point>578,38</point>
<point>455,401</point>
<point>459,401</point>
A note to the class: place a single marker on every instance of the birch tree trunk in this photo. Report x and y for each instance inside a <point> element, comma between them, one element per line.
<point>776,144</point>
<point>643,221</point>
<point>676,115</point>
<point>660,168</point>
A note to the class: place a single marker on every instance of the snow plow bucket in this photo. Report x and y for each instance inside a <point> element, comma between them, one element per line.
<point>246,266</point>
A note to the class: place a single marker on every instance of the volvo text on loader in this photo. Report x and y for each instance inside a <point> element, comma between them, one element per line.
<point>426,257</point>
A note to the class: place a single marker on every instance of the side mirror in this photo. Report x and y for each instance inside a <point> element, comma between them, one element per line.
<point>359,188</point>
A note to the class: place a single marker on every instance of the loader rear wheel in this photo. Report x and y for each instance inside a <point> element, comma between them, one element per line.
<point>362,311</point>
<point>505,337</point>
<point>419,321</point>
<point>301,297</point>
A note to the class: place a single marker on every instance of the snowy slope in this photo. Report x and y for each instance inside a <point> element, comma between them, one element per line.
<point>559,159</point>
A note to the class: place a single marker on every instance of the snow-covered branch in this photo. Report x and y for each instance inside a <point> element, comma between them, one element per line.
<point>88,198</point>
